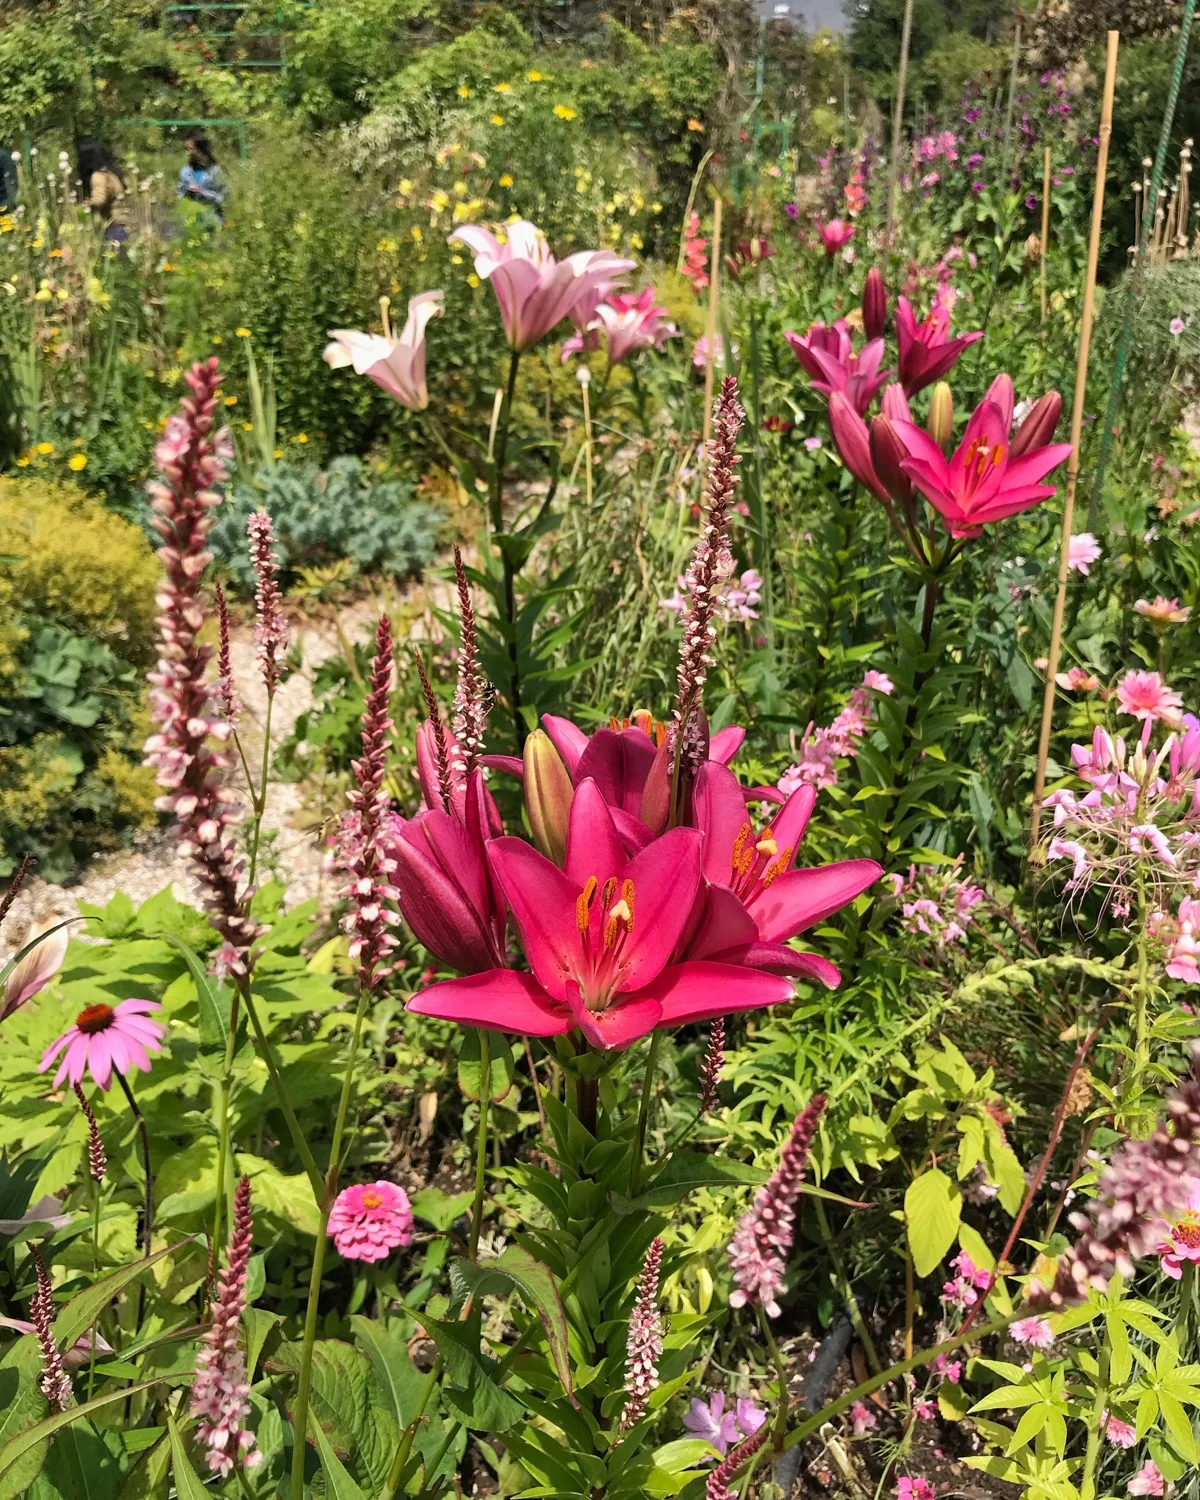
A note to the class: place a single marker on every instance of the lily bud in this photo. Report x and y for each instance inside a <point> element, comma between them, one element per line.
<point>1038,427</point>
<point>874,304</point>
<point>894,403</point>
<point>940,422</point>
<point>853,443</point>
<point>887,453</point>
<point>548,796</point>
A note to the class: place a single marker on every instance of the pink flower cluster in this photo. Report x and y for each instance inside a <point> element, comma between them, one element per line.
<point>821,749</point>
<point>192,459</point>
<point>939,903</point>
<point>695,254</point>
<point>932,147</point>
<point>644,1345</point>
<point>220,1391</point>
<point>758,1250</point>
<point>270,623</point>
<point>963,1291</point>
<point>1035,1332</point>
<point>736,598</point>
<point>914,1487</point>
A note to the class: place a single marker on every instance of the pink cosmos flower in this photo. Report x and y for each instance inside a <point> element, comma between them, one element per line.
<point>834,235</point>
<point>982,481</point>
<point>105,1037</point>
<point>397,366</point>
<point>916,1488</point>
<point>1147,1481</point>
<point>1182,1242</point>
<point>369,1220</point>
<point>1164,611</point>
<point>1176,326</point>
<point>926,350</point>
<point>534,290</point>
<point>1077,680</point>
<point>1036,1332</point>
<point>709,1420</point>
<point>1147,697</point>
<point>1082,551</point>
<point>33,972</point>
<point>1119,1434</point>
<point>828,359</point>
<point>599,935</point>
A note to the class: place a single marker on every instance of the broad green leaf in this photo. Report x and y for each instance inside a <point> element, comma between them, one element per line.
<point>340,1484</point>
<point>682,1454</point>
<point>502,1070</point>
<point>74,1320</point>
<point>358,1426</point>
<point>18,1447</point>
<point>438,1208</point>
<point>214,1000</point>
<point>288,1198</point>
<point>187,1481</point>
<point>1029,1426</point>
<point>395,1373</point>
<point>539,1290</point>
<point>1009,1398</point>
<point>1178,1426</point>
<point>688,1170</point>
<point>22,1406</point>
<point>474,1397</point>
<point>932,1210</point>
<point>80,1467</point>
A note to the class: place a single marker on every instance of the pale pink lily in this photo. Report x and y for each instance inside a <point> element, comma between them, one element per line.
<point>34,972</point>
<point>752,899</point>
<point>396,365</point>
<point>533,289</point>
<point>926,350</point>
<point>981,482</point>
<point>599,935</point>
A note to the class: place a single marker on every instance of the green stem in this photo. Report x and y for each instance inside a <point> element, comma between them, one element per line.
<point>1187,1299</point>
<point>510,573</point>
<point>1087,1488</point>
<point>325,1200</point>
<point>148,1201</point>
<point>221,1091</point>
<point>285,1104</point>
<point>260,799</point>
<point>780,1373</point>
<point>847,1291</point>
<point>396,1472</point>
<point>485,1099</point>
<point>645,1110</point>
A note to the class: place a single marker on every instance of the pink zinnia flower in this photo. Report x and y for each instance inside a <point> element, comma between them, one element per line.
<point>1119,1434</point>
<point>368,1221</point>
<point>1082,551</point>
<point>1147,1481</point>
<point>105,1037</point>
<point>1036,1332</point>
<point>1164,611</point>
<point>1146,696</point>
<point>397,366</point>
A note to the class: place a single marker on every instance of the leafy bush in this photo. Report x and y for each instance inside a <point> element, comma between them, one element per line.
<point>78,619</point>
<point>322,516</point>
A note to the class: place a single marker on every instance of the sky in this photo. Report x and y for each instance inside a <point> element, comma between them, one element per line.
<point>810,13</point>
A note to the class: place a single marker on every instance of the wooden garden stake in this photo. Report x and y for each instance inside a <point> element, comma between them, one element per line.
<point>898,117</point>
<point>710,332</point>
<point>1045,223</point>
<point>1081,366</point>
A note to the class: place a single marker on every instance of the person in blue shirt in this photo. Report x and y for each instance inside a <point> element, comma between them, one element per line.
<point>201,179</point>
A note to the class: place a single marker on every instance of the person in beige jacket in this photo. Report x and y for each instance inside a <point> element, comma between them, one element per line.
<point>103,188</point>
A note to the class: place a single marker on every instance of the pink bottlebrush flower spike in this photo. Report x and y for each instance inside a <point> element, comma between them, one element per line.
<point>97,1160</point>
<point>54,1380</point>
<point>104,1038</point>
<point>471,690</point>
<point>224,689</point>
<point>270,623</point>
<point>721,1477</point>
<point>220,1391</point>
<point>757,1252</point>
<point>368,1221</point>
<point>644,1345</point>
<point>710,1068</point>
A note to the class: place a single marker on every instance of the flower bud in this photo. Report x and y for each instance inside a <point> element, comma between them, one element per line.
<point>940,422</point>
<point>1038,427</point>
<point>894,403</point>
<point>874,304</point>
<point>548,796</point>
<point>887,453</point>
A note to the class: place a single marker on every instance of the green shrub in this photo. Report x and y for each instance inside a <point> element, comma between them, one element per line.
<point>76,632</point>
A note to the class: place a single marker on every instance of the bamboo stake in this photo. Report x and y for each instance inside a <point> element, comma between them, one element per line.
<point>1045,222</point>
<point>710,364</point>
<point>1081,367</point>
<point>898,117</point>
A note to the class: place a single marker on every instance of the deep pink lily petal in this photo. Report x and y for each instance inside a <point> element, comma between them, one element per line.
<point>498,1000</point>
<point>1002,394</point>
<point>718,923</point>
<point>511,765</point>
<point>799,898</point>
<point>633,832</point>
<point>1031,467</point>
<point>1010,503</point>
<point>790,822</point>
<point>699,991</point>
<point>619,762</point>
<point>778,958</point>
<point>435,907</point>
<point>620,1025</point>
<point>594,846</point>
<point>543,902</point>
<point>719,812</point>
<point>568,739</point>
<point>763,794</point>
<point>666,877</point>
<point>726,743</point>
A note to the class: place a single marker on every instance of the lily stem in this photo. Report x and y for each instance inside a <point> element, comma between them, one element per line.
<point>645,1110</point>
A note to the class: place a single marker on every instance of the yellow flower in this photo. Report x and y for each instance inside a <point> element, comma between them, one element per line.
<point>415,231</point>
<point>387,245</point>
<point>77,462</point>
<point>695,125</point>
<point>247,426</point>
<point>216,338</point>
<point>502,88</point>
<point>564,111</point>
<point>404,186</point>
<point>534,76</point>
<point>302,437</point>
<point>472,279</point>
<point>230,400</point>
<point>636,242</point>
<point>23,463</point>
<point>44,449</point>
<point>279,453</point>
<point>440,201</point>
<point>242,333</point>
<point>497,119</point>
<point>55,254</point>
<point>505,179</point>
<point>456,260</point>
<point>43,293</point>
<point>463,91</point>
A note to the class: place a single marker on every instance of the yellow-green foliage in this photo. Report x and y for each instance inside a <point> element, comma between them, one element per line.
<point>70,561</point>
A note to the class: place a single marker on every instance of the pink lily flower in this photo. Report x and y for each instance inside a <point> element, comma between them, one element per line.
<point>633,322</point>
<point>834,235</point>
<point>599,935</point>
<point>981,482</point>
<point>34,972</point>
<point>395,365</point>
<point>754,900</point>
<point>853,440</point>
<point>534,290</point>
<point>926,350</point>
<point>827,357</point>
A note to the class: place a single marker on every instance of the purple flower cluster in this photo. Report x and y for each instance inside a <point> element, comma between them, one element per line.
<point>736,598</point>
<point>709,1420</point>
<point>821,749</point>
<point>936,903</point>
<point>192,459</point>
<point>643,1349</point>
<point>758,1250</point>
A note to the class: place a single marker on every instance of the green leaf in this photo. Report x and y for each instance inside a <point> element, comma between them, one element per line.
<point>502,1070</point>
<point>340,1485</point>
<point>80,1467</point>
<point>932,1210</point>
<point>29,1438</point>
<point>81,1312</point>
<point>539,1290</point>
<point>288,1198</point>
<point>394,1371</point>
<point>976,1247</point>
<point>215,1001</point>
<point>474,1397</point>
<point>187,1481</point>
<point>688,1170</point>
<point>22,1406</point>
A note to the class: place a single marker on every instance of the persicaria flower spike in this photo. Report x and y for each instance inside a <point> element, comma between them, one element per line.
<point>97,1160</point>
<point>758,1250</point>
<point>721,1477</point>
<point>710,1068</point>
<point>54,1380</point>
<point>270,624</point>
<point>471,689</point>
<point>192,459</point>
<point>643,1349</point>
<point>224,690</point>
<point>364,854</point>
<point>220,1391</point>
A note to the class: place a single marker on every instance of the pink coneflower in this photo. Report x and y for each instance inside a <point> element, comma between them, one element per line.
<point>220,1391</point>
<point>1036,1332</point>
<point>1164,611</point>
<point>1119,1434</point>
<point>105,1037</point>
<point>643,1348</point>
<point>758,1250</point>
<point>1146,696</point>
<point>1147,1481</point>
<point>1082,551</point>
<point>368,1221</point>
